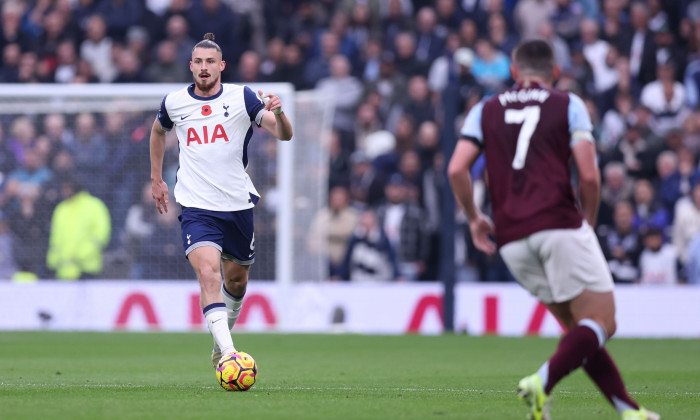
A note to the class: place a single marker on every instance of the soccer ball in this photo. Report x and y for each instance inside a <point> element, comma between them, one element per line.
<point>236,371</point>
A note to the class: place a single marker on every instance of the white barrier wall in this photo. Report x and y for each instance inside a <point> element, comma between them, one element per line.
<point>502,309</point>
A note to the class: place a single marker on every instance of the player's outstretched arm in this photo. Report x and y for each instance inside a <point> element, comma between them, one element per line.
<point>458,171</point>
<point>589,179</point>
<point>276,121</point>
<point>159,188</point>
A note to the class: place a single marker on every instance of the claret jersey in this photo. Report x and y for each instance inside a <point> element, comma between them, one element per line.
<point>213,135</point>
<point>527,133</point>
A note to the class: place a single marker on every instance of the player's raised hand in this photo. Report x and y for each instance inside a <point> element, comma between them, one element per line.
<point>480,228</point>
<point>159,190</point>
<point>272,102</point>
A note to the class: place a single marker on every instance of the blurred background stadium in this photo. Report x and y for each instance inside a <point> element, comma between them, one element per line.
<point>357,225</point>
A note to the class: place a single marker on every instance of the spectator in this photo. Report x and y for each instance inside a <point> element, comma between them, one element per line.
<point>635,152</point>
<point>402,221</point>
<point>89,151</point>
<point>615,121</point>
<point>129,68</point>
<point>8,160</point>
<point>680,181</point>
<point>429,44</point>
<point>500,36</point>
<point>9,71</point>
<point>370,61</point>
<point>22,137</point>
<point>390,90</point>
<point>271,67</point>
<point>339,171</point>
<point>686,222</point>
<point>658,263</point>
<point>419,107</point>
<point>344,90</point>
<point>406,61</point>
<point>598,55</point>
<point>692,264</point>
<point>67,62</point>
<point>444,68</point>
<point>29,221</point>
<point>96,49</point>
<point>447,17</point>
<point>370,256</point>
<point>80,230</point>
<point>331,229</point>
<point>691,82</point>
<point>7,259</point>
<point>347,44</point>
<point>530,14</point>
<point>395,22</point>
<point>158,254</point>
<point>491,67</point>
<point>366,123</point>
<point>567,18</point>
<point>119,15</point>
<point>29,178</point>
<point>217,17</point>
<point>366,187</point>
<point>165,68</point>
<point>468,33</point>
<point>562,53</point>
<point>621,245</point>
<point>293,67</point>
<point>640,47</point>
<point>176,30</point>
<point>412,173</point>
<point>248,68</point>
<point>665,97</point>
<point>318,66</point>
<point>648,211</point>
<point>13,32</point>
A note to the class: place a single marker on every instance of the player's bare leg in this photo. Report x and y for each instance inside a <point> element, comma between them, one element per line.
<point>206,261</point>
<point>590,321</point>
<point>232,289</point>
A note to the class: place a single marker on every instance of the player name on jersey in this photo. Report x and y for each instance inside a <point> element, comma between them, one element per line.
<point>523,95</point>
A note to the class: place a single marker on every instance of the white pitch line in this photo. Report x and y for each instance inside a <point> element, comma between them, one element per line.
<point>338,388</point>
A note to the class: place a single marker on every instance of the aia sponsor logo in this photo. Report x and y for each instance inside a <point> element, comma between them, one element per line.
<point>193,136</point>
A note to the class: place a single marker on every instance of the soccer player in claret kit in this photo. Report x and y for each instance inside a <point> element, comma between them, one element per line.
<point>529,134</point>
<point>213,123</point>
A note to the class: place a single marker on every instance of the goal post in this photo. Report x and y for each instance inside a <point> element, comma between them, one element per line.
<point>290,175</point>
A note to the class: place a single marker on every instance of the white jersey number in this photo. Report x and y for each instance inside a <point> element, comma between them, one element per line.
<point>528,117</point>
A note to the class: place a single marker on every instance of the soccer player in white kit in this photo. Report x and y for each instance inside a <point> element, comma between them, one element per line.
<point>213,123</point>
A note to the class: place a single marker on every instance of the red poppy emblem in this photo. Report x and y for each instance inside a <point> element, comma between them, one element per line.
<point>206,110</point>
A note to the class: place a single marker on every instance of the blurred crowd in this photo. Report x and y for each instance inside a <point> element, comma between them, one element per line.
<point>402,74</point>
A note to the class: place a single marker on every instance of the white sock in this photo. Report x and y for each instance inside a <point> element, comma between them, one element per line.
<point>544,373</point>
<point>233,306</point>
<point>215,314</point>
<point>597,329</point>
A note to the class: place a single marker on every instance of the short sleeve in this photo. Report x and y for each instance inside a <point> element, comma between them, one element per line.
<point>472,124</point>
<point>580,126</point>
<point>253,105</point>
<point>163,117</point>
<point>579,120</point>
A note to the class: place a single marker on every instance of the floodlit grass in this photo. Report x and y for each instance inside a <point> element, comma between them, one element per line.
<point>169,376</point>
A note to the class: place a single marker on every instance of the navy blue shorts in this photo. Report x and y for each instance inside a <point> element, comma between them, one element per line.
<point>231,232</point>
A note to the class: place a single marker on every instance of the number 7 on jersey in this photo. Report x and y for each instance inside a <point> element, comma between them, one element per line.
<point>528,117</point>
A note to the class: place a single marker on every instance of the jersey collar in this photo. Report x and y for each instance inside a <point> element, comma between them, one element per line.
<point>190,90</point>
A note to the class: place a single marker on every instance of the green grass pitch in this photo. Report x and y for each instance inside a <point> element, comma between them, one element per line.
<point>168,376</point>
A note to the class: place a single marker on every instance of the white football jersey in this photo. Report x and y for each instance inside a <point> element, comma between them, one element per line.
<point>213,135</point>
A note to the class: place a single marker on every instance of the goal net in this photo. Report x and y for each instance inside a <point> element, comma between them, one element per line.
<point>98,136</point>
